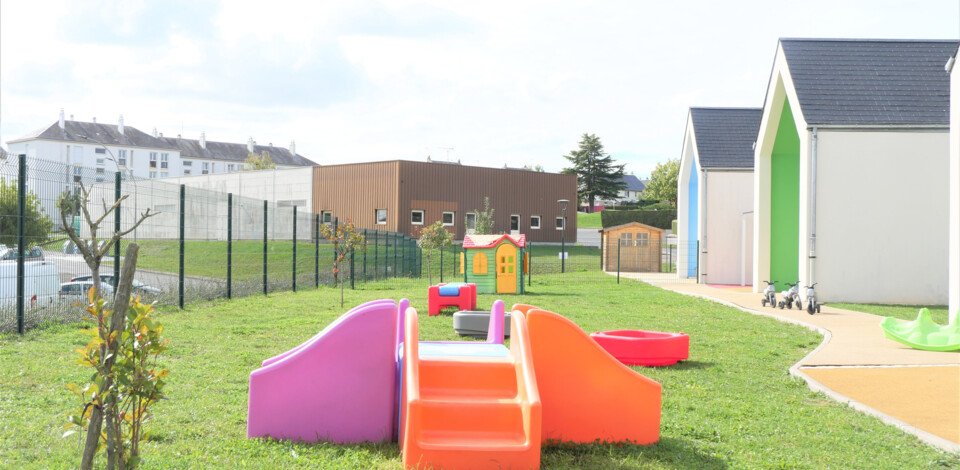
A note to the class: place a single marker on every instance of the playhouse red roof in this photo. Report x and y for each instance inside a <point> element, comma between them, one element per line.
<point>490,241</point>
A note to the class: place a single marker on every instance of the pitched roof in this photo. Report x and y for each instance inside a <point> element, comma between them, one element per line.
<point>725,136</point>
<point>633,183</point>
<point>864,82</point>
<point>190,148</point>
<point>490,241</point>
<point>74,131</point>
<point>631,224</point>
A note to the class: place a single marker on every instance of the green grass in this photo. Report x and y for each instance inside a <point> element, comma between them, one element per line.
<point>733,404</point>
<point>591,220</point>
<point>904,312</point>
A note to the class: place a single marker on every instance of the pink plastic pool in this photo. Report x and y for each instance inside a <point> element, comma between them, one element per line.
<point>644,348</point>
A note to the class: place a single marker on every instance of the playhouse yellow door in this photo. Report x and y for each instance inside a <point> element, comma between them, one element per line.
<point>506,269</point>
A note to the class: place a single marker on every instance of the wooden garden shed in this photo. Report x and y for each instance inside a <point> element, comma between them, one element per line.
<point>639,247</point>
<point>495,263</point>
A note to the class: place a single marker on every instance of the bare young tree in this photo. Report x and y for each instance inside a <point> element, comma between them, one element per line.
<point>93,252</point>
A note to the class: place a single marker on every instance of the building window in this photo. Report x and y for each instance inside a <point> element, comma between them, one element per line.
<point>231,168</point>
<point>471,221</point>
<point>186,172</point>
<point>448,218</point>
<point>153,174</point>
<point>164,174</point>
<point>643,239</point>
<point>326,217</point>
<point>188,163</point>
<point>100,150</point>
<point>480,263</point>
<point>164,160</point>
<point>122,157</point>
<point>381,216</point>
<point>626,239</point>
<point>416,217</point>
<point>515,223</point>
<point>206,168</point>
<point>77,174</point>
<point>561,223</point>
<point>153,159</point>
<point>100,171</point>
<point>99,162</point>
<point>535,222</point>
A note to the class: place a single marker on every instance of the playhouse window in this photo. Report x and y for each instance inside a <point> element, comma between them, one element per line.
<point>480,263</point>
<point>561,223</point>
<point>448,218</point>
<point>535,222</point>
<point>381,215</point>
<point>416,217</point>
<point>626,239</point>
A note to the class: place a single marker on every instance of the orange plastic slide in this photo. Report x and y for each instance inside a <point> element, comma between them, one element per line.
<point>587,394</point>
<point>469,405</point>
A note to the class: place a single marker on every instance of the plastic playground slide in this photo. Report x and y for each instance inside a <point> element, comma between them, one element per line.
<point>923,333</point>
<point>587,394</point>
<point>339,386</point>
<point>469,405</point>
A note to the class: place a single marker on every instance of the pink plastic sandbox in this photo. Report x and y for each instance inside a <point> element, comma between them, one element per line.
<point>644,348</point>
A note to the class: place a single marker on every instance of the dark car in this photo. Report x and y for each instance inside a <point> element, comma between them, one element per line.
<point>33,254</point>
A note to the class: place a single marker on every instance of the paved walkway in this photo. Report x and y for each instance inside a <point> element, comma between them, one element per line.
<point>917,391</point>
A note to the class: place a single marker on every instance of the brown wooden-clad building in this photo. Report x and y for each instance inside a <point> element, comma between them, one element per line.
<point>402,196</point>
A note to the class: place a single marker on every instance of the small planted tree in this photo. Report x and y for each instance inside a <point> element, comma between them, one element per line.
<point>345,239</point>
<point>484,221</point>
<point>37,225</point>
<point>663,182</point>
<point>433,237</point>
<point>261,161</point>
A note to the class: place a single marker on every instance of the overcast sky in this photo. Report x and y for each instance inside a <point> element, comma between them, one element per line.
<point>485,82</point>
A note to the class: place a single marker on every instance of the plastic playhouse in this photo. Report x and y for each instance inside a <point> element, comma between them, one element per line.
<point>496,263</point>
<point>923,333</point>
<point>644,348</point>
<point>455,294</point>
<point>367,377</point>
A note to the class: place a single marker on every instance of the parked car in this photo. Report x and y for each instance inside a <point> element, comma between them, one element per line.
<point>33,254</point>
<point>41,282</point>
<point>138,287</point>
<point>77,290</point>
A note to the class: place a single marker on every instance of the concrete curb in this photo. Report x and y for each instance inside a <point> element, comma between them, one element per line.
<point>795,371</point>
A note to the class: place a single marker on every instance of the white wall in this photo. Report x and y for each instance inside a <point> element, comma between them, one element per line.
<point>280,185</point>
<point>687,157</point>
<point>881,233</point>
<point>727,195</point>
<point>954,218</point>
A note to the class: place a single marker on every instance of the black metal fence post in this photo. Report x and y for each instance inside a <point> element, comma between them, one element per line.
<point>395,255</point>
<point>336,225</point>
<point>530,265</point>
<point>116,229</point>
<point>229,245</point>
<point>21,238</point>
<point>294,248</point>
<point>265,288</point>
<point>364,255</point>
<point>464,251</point>
<point>183,211</point>
<point>352,285</point>
<point>376,260</point>
<point>316,250</point>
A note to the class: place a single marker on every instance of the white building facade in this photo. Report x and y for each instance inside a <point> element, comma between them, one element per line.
<point>954,204</point>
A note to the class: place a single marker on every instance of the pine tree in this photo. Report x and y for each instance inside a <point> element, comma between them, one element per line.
<point>597,175</point>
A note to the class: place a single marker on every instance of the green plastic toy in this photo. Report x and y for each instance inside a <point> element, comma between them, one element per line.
<point>923,333</point>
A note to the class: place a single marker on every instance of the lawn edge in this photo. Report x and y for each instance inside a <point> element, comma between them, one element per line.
<point>795,371</point>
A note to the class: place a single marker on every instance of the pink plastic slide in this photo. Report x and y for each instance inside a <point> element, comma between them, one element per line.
<point>340,386</point>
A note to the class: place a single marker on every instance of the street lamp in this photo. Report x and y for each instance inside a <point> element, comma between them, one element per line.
<point>563,234</point>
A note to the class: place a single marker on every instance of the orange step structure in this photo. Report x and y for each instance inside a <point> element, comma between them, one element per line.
<point>587,394</point>
<point>469,405</point>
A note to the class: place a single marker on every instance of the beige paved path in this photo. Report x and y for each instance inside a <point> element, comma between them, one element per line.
<point>914,390</point>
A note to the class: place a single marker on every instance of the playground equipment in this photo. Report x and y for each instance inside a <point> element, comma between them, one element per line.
<point>923,333</point>
<point>496,263</point>
<point>812,305</point>
<point>367,377</point>
<point>790,297</point>
<point>455,294</point>
<point>644,348</point>
<point>474,323</point>
<point>769,294</point>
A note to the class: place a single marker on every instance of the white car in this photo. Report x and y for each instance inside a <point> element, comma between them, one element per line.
<point>77,290</point>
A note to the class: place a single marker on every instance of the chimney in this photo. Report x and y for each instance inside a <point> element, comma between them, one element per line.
<point>62,124</point>
<point>293,147</point>
<point>120,125</point>
<point>203,140</point>
<point>161,134</point>
<point>71,117</point>
<point>270,144</point>
<point>94,119</point>
<point>178,136</point>
<point>250,144</point>
<point>154,132</point>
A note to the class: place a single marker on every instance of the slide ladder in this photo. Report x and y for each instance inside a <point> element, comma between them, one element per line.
<point>469,405</point>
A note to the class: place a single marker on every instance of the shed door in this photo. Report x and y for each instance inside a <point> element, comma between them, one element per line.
<point>506,269</point>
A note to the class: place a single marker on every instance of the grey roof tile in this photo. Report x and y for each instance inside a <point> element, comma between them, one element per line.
<point>869,82</point>
<point>725,136</point>
<point>95,132</point>
<point>633,183</point>
<point>190,148</point>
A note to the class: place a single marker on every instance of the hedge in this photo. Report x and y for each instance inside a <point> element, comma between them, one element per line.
<point>660,219</point>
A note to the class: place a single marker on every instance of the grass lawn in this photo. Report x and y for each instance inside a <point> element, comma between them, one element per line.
<point>905,312</point>
<point>732,405</point>
<point>591,220</point>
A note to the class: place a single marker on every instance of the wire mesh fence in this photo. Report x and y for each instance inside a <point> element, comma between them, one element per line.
<point>654,260</point>
<point>195,244</point>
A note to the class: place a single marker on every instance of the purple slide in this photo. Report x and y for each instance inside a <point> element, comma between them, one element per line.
<point>340,386</point>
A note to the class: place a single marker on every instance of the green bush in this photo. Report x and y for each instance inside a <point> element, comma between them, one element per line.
<point>655,218</point>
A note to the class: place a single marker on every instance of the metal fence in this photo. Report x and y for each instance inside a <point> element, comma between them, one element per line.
<point>200,244</point>
<point>652,260</point>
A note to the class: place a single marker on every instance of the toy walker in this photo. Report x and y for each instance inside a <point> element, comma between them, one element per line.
<point>791,296</point>
<point>812,305</point>
<point>769,295</point>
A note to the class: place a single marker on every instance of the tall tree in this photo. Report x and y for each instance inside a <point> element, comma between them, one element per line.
<point>597,174</point>
<point>663,182</point>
